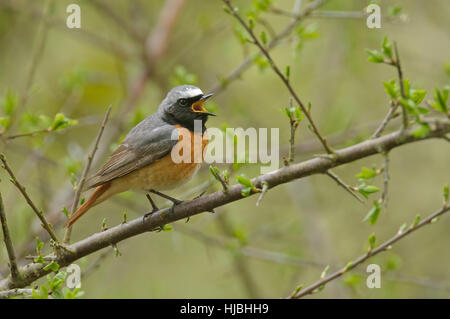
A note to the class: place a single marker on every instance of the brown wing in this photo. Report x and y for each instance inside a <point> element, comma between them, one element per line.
<point>140,148</point>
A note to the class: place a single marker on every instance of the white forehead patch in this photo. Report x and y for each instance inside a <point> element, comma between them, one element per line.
<point>191,92</point>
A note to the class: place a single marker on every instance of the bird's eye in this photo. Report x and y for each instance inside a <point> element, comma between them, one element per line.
<point>182,102</point>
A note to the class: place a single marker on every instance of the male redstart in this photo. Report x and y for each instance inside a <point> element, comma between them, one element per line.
<point>143,160</point>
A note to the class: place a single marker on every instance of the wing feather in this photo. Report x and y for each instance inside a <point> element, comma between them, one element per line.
<point>142,146</point>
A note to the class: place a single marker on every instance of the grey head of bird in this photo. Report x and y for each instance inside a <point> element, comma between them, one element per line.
<point>183,105</point>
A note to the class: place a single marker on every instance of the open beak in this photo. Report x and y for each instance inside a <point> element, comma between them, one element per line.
<point>199,107</point>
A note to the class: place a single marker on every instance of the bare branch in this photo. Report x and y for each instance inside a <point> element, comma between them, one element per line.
<point>21,188</point>
<point>15,274</point>
<point>383,247</point>
<point>401,83</point>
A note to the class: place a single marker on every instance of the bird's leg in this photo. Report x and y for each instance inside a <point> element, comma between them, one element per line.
<point>173,200</point>
<point>154,207</point>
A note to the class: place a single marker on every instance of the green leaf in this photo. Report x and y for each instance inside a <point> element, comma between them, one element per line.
<point>391,88</point>
<point>348,266</point>
<point>287,72</point>
<point>422,130</point>
<point>325,272</point>
<point>39,260</point>
<point>416,221</point>
<point>65,211</point>
<point>263,38</point>
<point>372,240</point>
<point>261,62</point>
<point>246,191</point>
<point>366,173</point>
<point>374,56</point>
<point>366,190</point>
<point>402,228</point>
<point>372,215</point>
<point>167,228</point>
<point>39,245</point>
<point>243,180</point>
<point>445,191</point>
<point>407,87</point>
<point>418,95</point>
<point>440,100</point>
<point>53,266</point>
<point>61,121</point>
<point>387,48</point>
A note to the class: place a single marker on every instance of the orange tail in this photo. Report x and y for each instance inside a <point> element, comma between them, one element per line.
<point>92,201</point>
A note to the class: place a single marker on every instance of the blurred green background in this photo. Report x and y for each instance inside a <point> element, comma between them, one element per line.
<point>242,250</point>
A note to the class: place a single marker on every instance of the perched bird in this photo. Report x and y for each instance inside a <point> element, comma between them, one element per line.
<point>143,161</point>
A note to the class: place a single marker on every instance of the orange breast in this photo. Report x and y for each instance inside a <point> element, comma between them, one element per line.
<point>164,173</point>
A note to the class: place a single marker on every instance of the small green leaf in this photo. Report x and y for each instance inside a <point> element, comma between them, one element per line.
<point>65,211</point>
<point>402,228</point>
<point>372,240</point>
<point>387,48</point>
<point>416,221</point>
<point>287,72</point>
<point>263,38</point>
<point>297,290</point>
<point>243,180</point>
<point>246,191</point>
<point>372,215</point>
<point>418,95</point>
<point>167,228</point>
<point>366,173</point>
<point>348,266</point>
<point>391,88</point>
<point>422,130</point>
<point>53,266</point>
<point>325,272</point>
<point>60,122</point>
<point>39,245</point>
<point>374,56</point>
<point>445,192</point>
<point>366,190</point>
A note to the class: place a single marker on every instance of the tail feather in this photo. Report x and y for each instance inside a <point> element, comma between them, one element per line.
<point>92,201</point>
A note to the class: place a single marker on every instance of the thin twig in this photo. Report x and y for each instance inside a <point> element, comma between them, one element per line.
<point>340,182</point>
<point>383,247</point>
<point>384,196</point>
<point>390,115</point>
<point>265,188</point>
<point>21,188</point>
<point>15,274</point>
<point>401,83</point>
<point>275,68</point>
<point>80,185</point>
